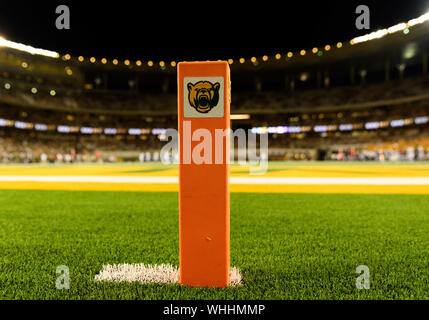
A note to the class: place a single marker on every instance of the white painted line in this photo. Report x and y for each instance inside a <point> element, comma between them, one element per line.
<point>164,273</point>
<point>234,180</point>
<point>95,179</point>
<point>332,181</point>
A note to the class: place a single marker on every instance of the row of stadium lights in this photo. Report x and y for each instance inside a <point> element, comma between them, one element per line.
<point>84,130</point>
<point>404,27</point>
<point>163,64</point>
<point>256,130</point>
<point>371,36</point>
<point>115,62</point>
<point>342,127</point>
<point>33,90</point>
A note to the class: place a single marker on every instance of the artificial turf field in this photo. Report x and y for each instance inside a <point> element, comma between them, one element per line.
<point>287,245</point>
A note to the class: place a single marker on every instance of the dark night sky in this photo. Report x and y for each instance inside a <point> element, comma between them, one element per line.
<point>163,30</point>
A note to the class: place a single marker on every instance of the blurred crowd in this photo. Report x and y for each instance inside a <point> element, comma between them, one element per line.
<point>411,153</point>
<point>74,108</point>
<point>89,100</point>
<point>24,147</point>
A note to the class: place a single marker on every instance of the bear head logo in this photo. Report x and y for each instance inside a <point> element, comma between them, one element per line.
<point>203,95</point>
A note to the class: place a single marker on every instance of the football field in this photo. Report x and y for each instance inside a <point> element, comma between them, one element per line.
<point>298,231</point>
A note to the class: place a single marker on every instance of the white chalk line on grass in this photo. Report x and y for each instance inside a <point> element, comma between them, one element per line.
<point>164,273</point>
<point>233,180</point>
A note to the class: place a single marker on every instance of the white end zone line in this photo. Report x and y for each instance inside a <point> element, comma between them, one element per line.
<point>144,273</point>
<point>233,180</point>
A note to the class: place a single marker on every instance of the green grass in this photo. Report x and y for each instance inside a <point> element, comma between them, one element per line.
<point>289,246</point>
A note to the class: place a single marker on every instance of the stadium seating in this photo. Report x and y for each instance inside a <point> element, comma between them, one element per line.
<point>50,117</point>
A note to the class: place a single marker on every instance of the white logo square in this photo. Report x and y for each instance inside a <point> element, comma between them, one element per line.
<point>204,97</point>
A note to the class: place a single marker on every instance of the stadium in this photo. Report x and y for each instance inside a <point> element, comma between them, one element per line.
<point>84,182</point>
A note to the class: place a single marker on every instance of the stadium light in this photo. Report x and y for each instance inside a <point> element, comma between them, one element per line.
<point>421,120</point>
<point>40,127</point>
<point>370,36</point>
<point>423,18</point>
<point>240,116</point>
<point>29,49</point>
<point>396,28</point>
